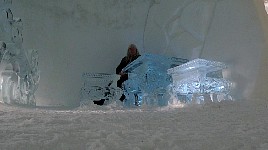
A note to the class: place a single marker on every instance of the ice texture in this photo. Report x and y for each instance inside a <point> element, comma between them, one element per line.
<point>148,80</point>
<point>97,86</point>
<point>19,71</point>
<point>198,80</point>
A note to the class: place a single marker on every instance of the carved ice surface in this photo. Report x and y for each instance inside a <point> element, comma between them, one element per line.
<point>199,78</point>
<point>97,86</point>
<point>19,71</point>
<point>148,79</point>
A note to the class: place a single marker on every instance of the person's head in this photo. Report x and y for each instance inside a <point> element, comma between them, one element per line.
<point>132,50</point>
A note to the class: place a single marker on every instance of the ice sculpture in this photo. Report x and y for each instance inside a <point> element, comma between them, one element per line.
<point>19,71</point>
<point>99,86</point>
<point>148,80</point>
<point>198,80</point>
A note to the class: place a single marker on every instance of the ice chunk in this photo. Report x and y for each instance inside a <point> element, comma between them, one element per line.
<point>199,78</point>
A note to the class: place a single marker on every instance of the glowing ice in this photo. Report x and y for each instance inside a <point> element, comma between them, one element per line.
<point>148,80</point>
<point>19,72</point>
<point>198,80</point>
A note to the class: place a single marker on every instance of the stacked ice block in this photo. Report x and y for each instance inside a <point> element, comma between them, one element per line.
<point>198,80</point>
<point>148,80</point>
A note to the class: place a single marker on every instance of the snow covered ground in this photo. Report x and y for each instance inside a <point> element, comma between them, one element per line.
<point>229,125</point>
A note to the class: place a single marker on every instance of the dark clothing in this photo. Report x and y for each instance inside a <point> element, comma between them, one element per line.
<point>124,63</point>
<point>119,68</point>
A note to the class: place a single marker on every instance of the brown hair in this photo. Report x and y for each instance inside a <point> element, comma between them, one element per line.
<point>129,57</point>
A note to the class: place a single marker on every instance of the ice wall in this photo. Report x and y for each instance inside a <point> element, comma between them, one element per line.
<point>236,38</point>
<point>92,36</point>
<point>78,36</point>
<point>261,85</point>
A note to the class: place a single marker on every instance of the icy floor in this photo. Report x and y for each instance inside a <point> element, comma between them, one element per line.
<point>239,125</point>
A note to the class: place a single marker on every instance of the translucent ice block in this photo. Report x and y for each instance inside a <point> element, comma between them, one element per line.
<point>148,79</point>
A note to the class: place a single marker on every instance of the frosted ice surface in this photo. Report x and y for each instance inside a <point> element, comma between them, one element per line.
<point>19,71</point>
<point>198,65</point>
<point>148,80</point>
<point>200,78</point>
<point>97,86</point>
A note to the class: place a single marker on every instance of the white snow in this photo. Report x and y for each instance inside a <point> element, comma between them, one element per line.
<point>67,33</point>
<point>228,125</point>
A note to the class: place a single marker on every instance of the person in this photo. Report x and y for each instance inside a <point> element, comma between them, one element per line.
<point>132,54</point>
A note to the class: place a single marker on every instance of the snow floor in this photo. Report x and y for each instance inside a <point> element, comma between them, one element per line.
<point>228,125</point>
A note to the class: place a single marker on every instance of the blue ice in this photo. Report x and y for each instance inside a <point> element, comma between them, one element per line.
<point>148,80</point>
